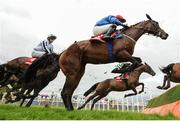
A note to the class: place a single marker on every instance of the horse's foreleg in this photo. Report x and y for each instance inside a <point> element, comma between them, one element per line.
<point>142,90</point>
<point>24,98</point>
<point>72,81</point>
<point>131,94</point>
<point>138,59</point>
<point>125,56</point>
<point>168,84</point>
<point>164,82</point>
<point>135,62</point>
<point>36,92</point>
<point>89,99</point>
<point>68,90</point>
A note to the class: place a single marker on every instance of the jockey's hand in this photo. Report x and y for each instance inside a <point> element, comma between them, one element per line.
<point>125,26</point>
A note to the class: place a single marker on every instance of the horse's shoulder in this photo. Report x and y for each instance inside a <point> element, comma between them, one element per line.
<point>176,67</point>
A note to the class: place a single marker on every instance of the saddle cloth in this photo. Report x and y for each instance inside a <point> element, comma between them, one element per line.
<point>121,77</point>
<point>29,60</point>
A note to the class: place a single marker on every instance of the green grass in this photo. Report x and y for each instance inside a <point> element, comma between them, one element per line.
<point>35,112</point>
<point>169,96</point>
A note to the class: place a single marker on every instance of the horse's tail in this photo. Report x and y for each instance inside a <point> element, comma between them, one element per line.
<point>40,63</point>
<point>167,68</point>
<point>91,89</point>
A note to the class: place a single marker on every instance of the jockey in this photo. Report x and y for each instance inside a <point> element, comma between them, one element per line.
<point>121,68</point>
<point>107,26</point>
<point>45,47</point>
<point>124,69</point>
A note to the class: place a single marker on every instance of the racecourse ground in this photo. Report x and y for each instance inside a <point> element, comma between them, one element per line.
<point>53,113</point>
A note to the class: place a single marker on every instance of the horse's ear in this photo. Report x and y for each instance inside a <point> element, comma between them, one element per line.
<point>145,63</point>
<point>148,17</point>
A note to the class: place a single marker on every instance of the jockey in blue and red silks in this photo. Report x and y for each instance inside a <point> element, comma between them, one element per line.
<point>107,26</point>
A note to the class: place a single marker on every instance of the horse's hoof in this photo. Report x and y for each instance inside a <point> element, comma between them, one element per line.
<point>27,106</point>
<point>79,108</point>
<point>69,109</point>
<point>140,92</point>
<point>159,87</point>
<point>165,88</point>
<point>6,102</point>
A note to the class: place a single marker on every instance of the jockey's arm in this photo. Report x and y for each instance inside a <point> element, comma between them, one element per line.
<point>115,21</point>
<point>44,43</point>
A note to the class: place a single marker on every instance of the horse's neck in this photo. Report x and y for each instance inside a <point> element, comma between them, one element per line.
<point>135,31</point>
<point>138,71</point>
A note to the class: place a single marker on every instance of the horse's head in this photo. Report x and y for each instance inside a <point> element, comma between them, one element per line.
<point>152,27</point>
<point>148,69</point>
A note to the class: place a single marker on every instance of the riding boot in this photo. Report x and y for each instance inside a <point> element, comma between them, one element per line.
<point>107,35</point>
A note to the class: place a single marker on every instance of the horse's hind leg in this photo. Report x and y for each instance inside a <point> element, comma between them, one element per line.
<point>98,98</point>
<point>72,81</point>
<point>164,82</point>
<point>89,99</point>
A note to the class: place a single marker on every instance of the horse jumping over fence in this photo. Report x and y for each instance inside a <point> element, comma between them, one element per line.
<point>73,60</point>
<point>103,88</point>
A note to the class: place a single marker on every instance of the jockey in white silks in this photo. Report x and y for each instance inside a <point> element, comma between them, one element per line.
<point>45,47</point>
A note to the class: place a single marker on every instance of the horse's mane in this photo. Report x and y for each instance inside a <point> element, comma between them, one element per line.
<point>40,63</point>
<point>167,68</point>
<point>137,23</point>
<point>124,29</point>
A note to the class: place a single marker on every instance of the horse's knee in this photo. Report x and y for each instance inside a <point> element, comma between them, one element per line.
<point>165,77</point>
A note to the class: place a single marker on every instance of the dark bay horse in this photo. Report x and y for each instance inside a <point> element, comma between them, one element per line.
<point>74,59</point>
<point>47,71</point>
<point>172,73</point>
<point>10,74</point>
<point>11,71</point>
<point>103,88</point>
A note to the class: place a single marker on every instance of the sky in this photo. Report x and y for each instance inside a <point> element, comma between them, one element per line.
<point>25,23</point>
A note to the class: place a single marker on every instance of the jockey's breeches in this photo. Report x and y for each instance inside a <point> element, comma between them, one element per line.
<point>101,29</point>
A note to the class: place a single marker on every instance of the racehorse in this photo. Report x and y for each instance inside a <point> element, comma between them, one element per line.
<point>10,74</point>
<point>74,59</point>
<point>103,88</point>
<point>11,71</point>
<point>47,71</point>
<point>172,73</point>
<point>14,73</point>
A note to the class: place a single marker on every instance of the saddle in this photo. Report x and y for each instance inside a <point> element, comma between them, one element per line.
<point>100,37</point>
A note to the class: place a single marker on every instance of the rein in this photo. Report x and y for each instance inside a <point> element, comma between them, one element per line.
<point>129,38</point>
